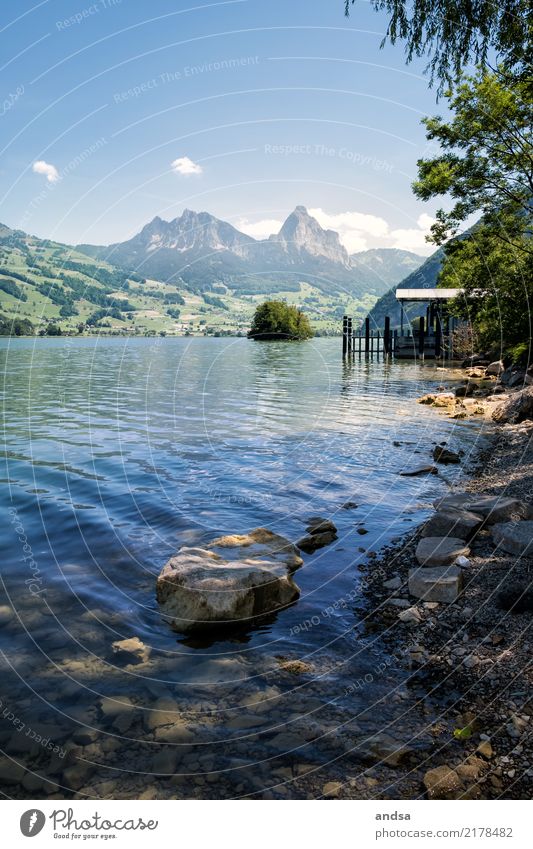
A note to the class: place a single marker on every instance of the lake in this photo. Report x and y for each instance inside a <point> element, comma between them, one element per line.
<point>118,451</point>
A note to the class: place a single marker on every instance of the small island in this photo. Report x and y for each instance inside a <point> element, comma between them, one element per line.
<point>275,320</point>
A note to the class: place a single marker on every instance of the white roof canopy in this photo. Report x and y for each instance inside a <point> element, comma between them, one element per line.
<point>427,294</point>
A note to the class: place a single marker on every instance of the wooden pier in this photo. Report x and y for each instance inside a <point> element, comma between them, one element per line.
<point>431,340</point>
<point>432,337</point>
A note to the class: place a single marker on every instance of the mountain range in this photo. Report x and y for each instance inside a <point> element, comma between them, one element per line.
<point>203,253</point>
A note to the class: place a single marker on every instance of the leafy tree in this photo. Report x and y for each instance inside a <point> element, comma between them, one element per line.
<point>497,284</point>
<point>486,158</point>
<point>11,288</point>
<point>278,320</point>
<point>53,330</point>
<point>15,326</point>
<point>456,33</point>
<point>485,165</point>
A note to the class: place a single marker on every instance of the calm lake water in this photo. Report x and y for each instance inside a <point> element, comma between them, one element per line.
<point>117,452</point>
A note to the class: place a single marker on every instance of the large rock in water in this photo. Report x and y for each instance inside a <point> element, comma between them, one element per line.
<point>235,580</point>
<point>516,409</point>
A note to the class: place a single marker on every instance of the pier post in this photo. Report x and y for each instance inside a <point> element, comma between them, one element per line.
<point>438,334</point>
<point>367,335</point>
<point>386,336</point>
<point>421,336</point>
<point>344,335</point>
<point>350,335</point>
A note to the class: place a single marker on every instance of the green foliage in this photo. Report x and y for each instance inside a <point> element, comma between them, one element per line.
<point>11,288</point>
<point>462,733</point>
<point>111,312</point>
<point>51,330</point>
<point>174,298</point>
<point>213,301</point>
<point>278,320</point>
<point>497,280</point>
<point>15,326</point>
<point>68,310</point>
<point>173,312</point>
<point>486,166</point>
<point>486,158</point>
<point>457,33</point>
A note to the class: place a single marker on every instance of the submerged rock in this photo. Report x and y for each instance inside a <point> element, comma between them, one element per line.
<point>200,589</point>
<point>317,525</point>
<point>419,470</point>
<point>444,455</point>
<point>316,540</point>
<point>131,650</point>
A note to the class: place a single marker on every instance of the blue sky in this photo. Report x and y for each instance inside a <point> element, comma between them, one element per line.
<point>115,111</point>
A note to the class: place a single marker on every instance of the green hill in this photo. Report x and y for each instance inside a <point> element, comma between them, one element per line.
<point>45,285</point>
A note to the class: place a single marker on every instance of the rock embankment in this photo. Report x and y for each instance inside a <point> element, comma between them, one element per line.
<point>504,395</point>
<point>463,584</point>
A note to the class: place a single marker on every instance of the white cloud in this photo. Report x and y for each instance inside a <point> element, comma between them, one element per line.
<point>353,228</point>
<point>414,239</point>
<point>50,171</point>
<point>186,166</point>
<point>259,229</point>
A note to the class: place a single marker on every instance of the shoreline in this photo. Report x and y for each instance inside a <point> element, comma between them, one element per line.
<point>468,663</point>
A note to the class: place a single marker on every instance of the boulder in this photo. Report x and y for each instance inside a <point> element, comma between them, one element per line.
<point>317,525</point>
<point>465,390</point>
<point>514,537</point>
<point>493,508</point>
<point>316,540</point>
<point>441,583</point>
<point>495,368</point>
<point>444,399</point>
<point>450,521</point>
<point>440,551</point>
<point>516,409</point>
<point>393,583</point>
<point>475,360</point>
<point>444,455</point>
<point>442,782</point>
<point>199,589</point>
<point>410,616</point>
<point>519,378</point>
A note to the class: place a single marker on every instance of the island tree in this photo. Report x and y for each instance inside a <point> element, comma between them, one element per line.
<point>278,320</point>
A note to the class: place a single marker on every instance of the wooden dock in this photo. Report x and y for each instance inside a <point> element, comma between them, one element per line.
<point>426,342</point>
